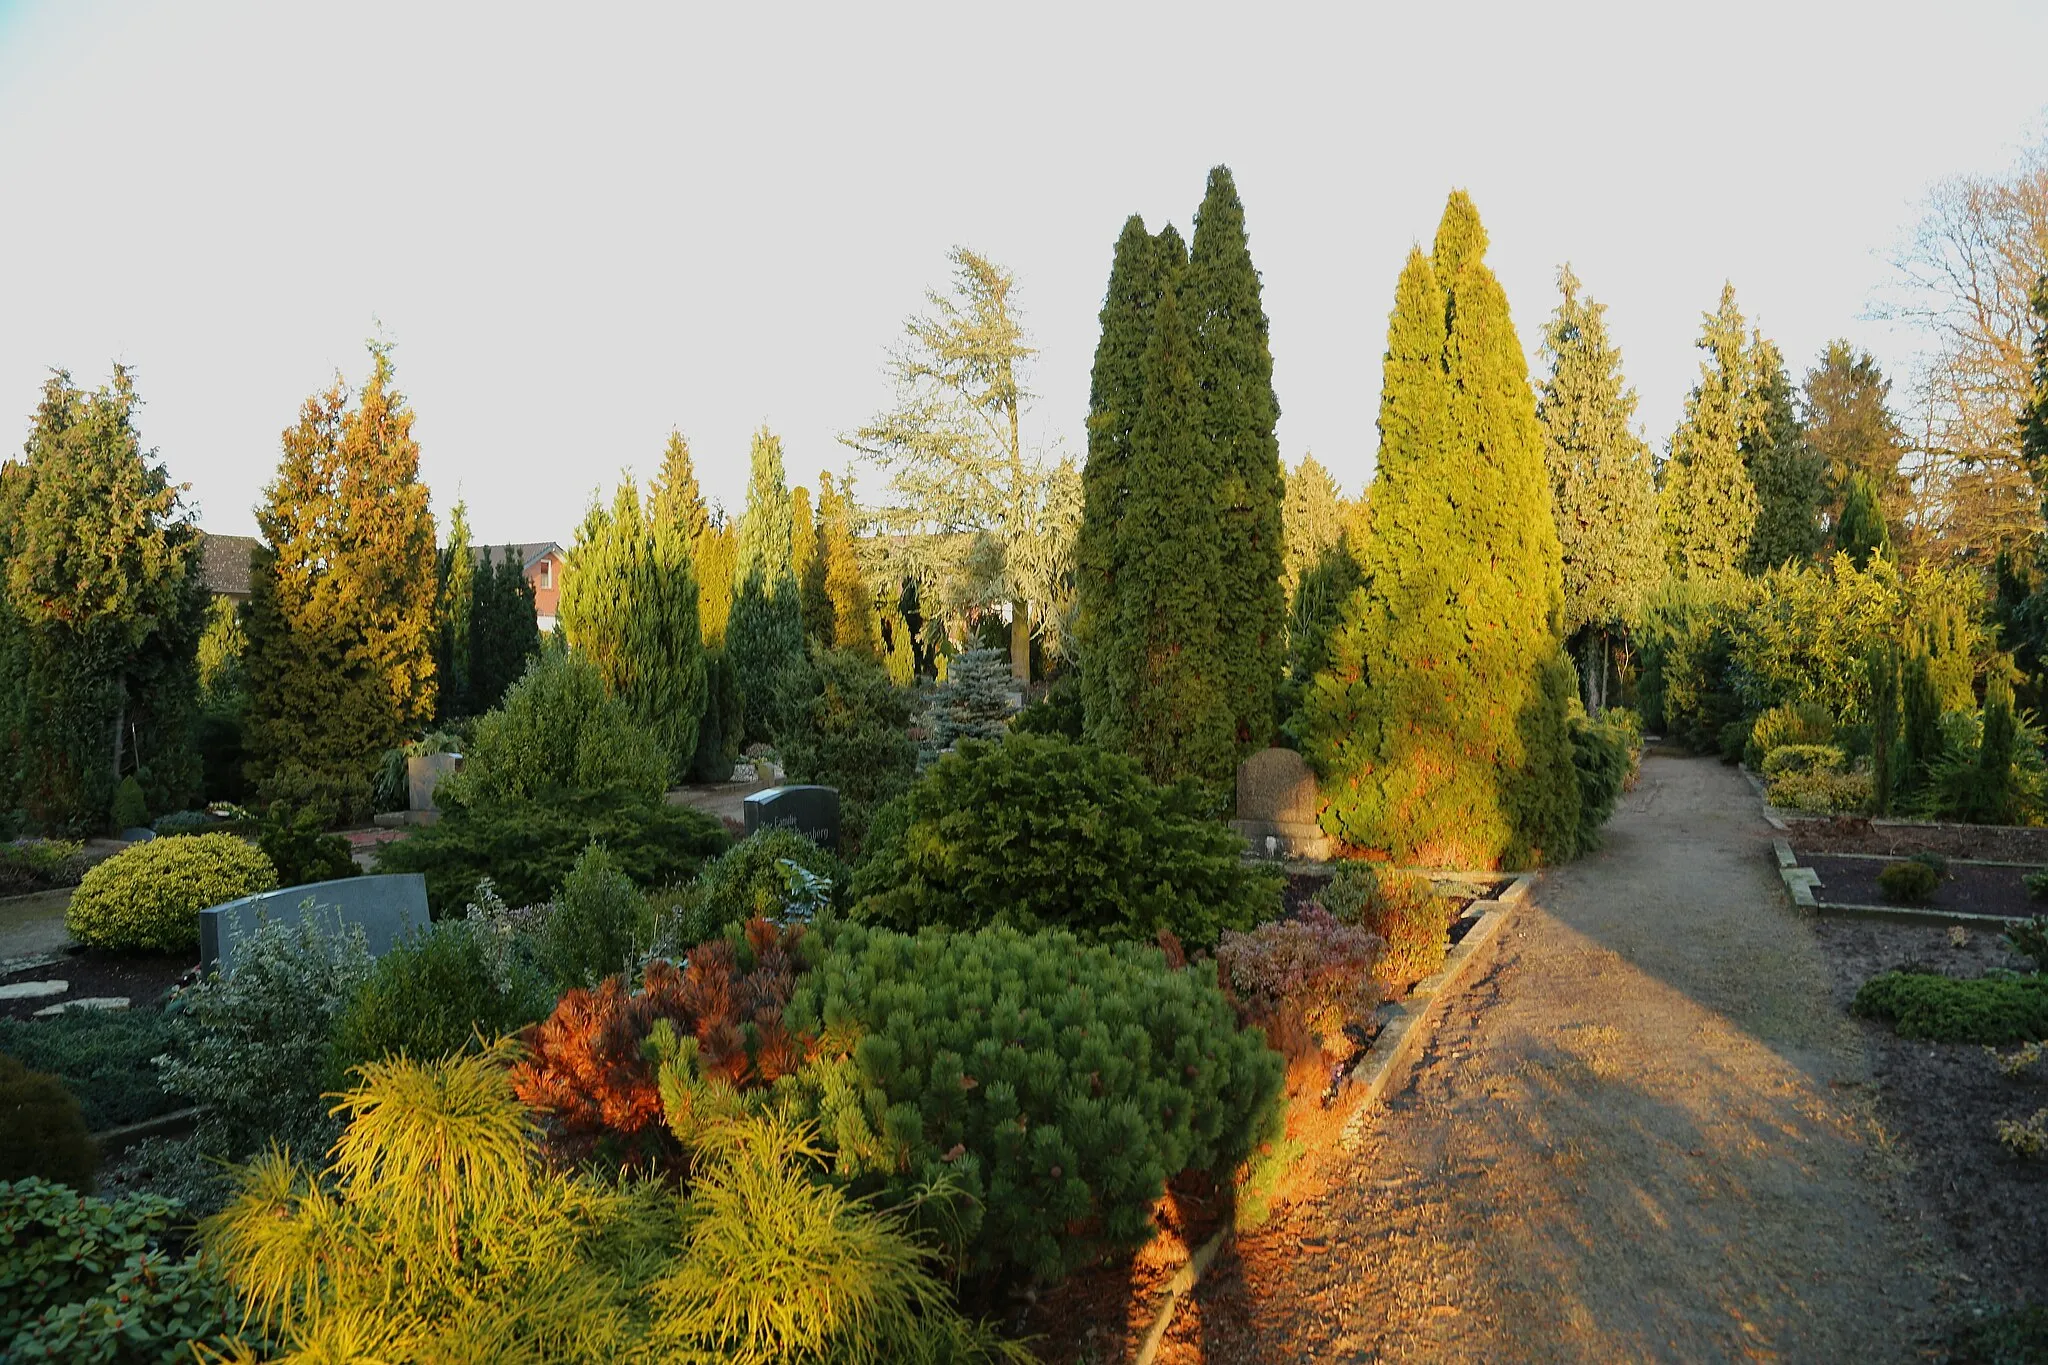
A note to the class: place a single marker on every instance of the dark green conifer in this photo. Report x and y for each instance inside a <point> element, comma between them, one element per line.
<point>1232,362</point>
<point>1789,477</point>
<point>1860,531</point>
<point>1440,725</point>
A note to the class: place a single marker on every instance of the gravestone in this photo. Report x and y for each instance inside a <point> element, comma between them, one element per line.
<point>423,773</point>
<point>386,908</point>
<point>811,811</point>
<point>1277,805</point>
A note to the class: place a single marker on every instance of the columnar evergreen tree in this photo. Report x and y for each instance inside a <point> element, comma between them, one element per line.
<point>807,562</point>
<point>629,605</point>
<point>1232,361</point>
<point>1440,727</point>
<point>715,550</point>
<point>457,601</point>
<point>341,612</point>
<point>765,635</point>
<point>1845,408</point>
<point>100,614</point>
<point>1708,506</point>
<point>1313,516</point>
<point>1172,592</point>
<point>1142,268</point>
<point>504,632</point>
<point>1860,530</point>
<point>1788,476</point>
<point>846,589</point>
<point>1602,483</point>
<point>675,497</point>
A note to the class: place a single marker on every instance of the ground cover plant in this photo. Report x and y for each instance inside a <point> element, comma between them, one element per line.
<point>1305,980</point>
<point>40,864</point>
<point>42,1133</point>
<point>1993,1010</point>
<point>148,896</point>
<point>104,1057</point>
<point>1039,832</point>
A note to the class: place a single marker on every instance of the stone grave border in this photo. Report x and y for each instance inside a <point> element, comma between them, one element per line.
<point>1386,1062</point>
<point>1800,882</point>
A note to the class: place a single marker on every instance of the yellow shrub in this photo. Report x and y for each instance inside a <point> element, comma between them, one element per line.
<point>149,895</point>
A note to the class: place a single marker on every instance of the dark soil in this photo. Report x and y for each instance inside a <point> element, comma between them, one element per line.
<point>1940,1102</point>
<point>142,977</point>
<point>1859,834</point>
<point>1967,889</point>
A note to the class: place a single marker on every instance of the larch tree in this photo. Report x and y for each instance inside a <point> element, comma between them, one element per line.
<point>1313,516</point>
<point>101,611</point>
<point>1603,490</point>
<point>456,566</point>
<point>1790,479</point>
<point>1707,505</point>
<point>341,613</point>
<point>954,442</point>
<point>1142,268</point>
<point>764,637</point>
<point>1233,363</point>
<point>1441,725</point>
<point>629,605</point>
<point>846,589</point>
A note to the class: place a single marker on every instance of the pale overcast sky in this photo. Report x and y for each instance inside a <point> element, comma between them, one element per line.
<point>584,224</point>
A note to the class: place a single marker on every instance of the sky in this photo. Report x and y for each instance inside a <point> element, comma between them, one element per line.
<point>584,225</point>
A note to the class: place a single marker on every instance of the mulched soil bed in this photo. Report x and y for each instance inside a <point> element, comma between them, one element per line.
<point>142,977</point>
<point>1940,1100</point>
<point>1858,834</point>
<point>1967,889</point>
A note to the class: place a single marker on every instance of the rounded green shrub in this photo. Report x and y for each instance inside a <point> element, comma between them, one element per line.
<point>148,896</point>
<point>1992,1010</point>
<point>748,881</point>
<point>1041,833</point>
<point>435,994</point>
<point>42,1132</point>
<point>1804,724</point>
<point>556,731</point>
<point>600,923</point>
<point>1789,759</point>
<point>1403,909</point>
<point>1053,1087</point>
<point>131,808</point>
<point>1908,882</point>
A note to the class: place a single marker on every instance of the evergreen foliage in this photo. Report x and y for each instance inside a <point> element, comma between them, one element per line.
<point>723,722</point>
<point>850,730</point>
<point>1313,518</point>
<point>1039,832</point>
<point>1708,505</point>
<point>1860,529</point>
<point>1845,409</point>
<point>1881,661</point>
<point>807,562</point>
<point>454,607</point>
<point>1602,481</point>
<point>557,732</point>
<point>1232,363</point>
<point>1789,476</point>
<point>435,994</point>
<point>1439,726</point>
<point>629,605</point>
<point>715,549</point>
<point>675,500</point>
<point>600,925</point>
<point>504,633</point>
<point>341,616</point>
<point>765,634</point>
<point>101,611</point>
<point>42,1134</point>
<point>149,895</point>
<point>847,593</point>
<point>973,702</point>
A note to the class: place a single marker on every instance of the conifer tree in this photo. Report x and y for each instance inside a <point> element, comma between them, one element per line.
<point>1860,530</point>
<point>1144,265</point>
<point>1172,586</point>
<point>1602,482</point>
<point>629,605</point>
<point>715,549</point>
<point>807,562</point>
<point>765,635</point>
<point>846,589</point>
<point>1707,505</point>
<point>1789,478</point>
<point>1845,409</point>
<point>1440,727</point>
<point>456,604</point>
<point>1313,516</point>
<point>504,632</point>
<point>341,613</point>
<point>1232,361</point>
<point>101,611</point>
<point>675,497</point>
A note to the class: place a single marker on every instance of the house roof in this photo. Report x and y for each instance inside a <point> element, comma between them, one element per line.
<point>224,563</point>
<point>530,553</point>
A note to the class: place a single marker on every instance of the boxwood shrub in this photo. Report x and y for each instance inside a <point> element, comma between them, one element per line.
<point>1038,832</point>
<point>1992,1010</point>
<point>148,896</point>
<point>1057,1086</point>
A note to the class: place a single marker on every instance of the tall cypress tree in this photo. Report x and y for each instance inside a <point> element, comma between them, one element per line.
<point>1602,482</point>
<point>1707,505</point>
<point>1142,268</point>
<point>341,613</point>
<point>807,562</point>
<point>504,633</point>
<point>1171,595</point>
<point>455,607</point>
<point>675,497</point>
<point>765,634</point>
<point>1789,477</point>
<point>851,600</point>
<point>1440,726</point>
<point>1313,517</point>
<point>1860,531</point>
<point>1233,363</point>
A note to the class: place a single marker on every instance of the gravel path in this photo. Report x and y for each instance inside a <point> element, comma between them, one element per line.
<point>1644,1133</point>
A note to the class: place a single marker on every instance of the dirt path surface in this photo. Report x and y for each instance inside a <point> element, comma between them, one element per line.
<point>1644,1133</point>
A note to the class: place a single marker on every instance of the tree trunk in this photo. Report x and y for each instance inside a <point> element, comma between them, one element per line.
<point>1020,641</point>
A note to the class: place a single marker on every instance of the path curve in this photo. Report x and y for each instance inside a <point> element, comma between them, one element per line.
<point>1644,1133</point>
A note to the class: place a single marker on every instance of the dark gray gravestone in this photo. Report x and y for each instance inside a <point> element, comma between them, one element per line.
<point>811,811</point>
<point>385,907</point>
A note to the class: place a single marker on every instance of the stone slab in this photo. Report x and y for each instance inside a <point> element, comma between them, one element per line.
<point>33,990</point>
<point>811,811</point>
<point>90,1002</point>
<point>387,907</point>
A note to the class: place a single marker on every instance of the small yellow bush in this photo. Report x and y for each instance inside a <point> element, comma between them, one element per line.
<point>149,896</point>
<point>1821,791</point>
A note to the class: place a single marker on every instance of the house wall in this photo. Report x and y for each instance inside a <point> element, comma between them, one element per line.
<point>546,577</point>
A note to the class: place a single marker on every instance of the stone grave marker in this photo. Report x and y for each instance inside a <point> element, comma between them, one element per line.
<point>386,907</point>
<point>811,811</point>
<point>423,773</point>
<point>1277,800</point>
